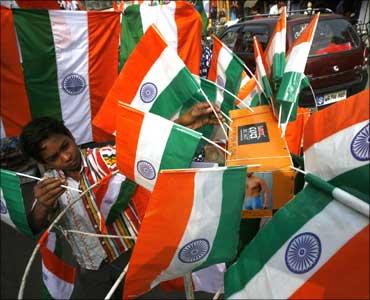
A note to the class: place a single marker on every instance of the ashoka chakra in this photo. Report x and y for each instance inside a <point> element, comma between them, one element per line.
<point>194,251</point>
<point>220,81</point>
<point>146,169</point>
<point>73,84</point>
<point>3,209</point>
<point>360,146</point>
<point>148,92</point>
<point>303,252</point>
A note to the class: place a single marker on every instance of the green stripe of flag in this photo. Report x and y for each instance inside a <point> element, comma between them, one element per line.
<point>180,89</point>
<point>12,192</point>
<point>278,66</point>
<point>184,139</point>
<point>233,80</point>
<point>226,240</point>
<point>131,32</point>
<point>39,61</point>
<point>287,221</point>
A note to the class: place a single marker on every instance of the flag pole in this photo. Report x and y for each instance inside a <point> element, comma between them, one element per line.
<point>189,290</point>
<point>32,258</point>
<point>217,295</point>
<point>225,90</point>
<point>39,179</point>
<point>216,145</point>
<point>285,124</point>
<point>213,109</point>
<point>118,281</point>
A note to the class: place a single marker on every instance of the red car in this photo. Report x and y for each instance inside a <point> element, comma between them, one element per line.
<point>337,63</point>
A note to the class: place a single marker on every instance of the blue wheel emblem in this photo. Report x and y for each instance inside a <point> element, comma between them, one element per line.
<point>220,81</point>
<point>320,100</point>
<point>148,92</point>
<point>303,253</point>
<point>73,84</point>
<point>194,251</point>
<point>3,208</point>
<point>360,146</point>
<point>146,169</point>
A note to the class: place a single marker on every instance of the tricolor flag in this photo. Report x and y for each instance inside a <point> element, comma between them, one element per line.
<point>202,7</point>
<point>12,205</point>
<point>192,221</point>
<point>69,61</point>
<point>261,75</point>
<point>275,50</point>
<point>179,23</point>
<point>147,143</point>
<point>336,144</point>
<point>57,275</point>
<point>248,92</point>
<point>294,79</point>
<point>154,79</point>
<point>315,247</point>
<point>225,70</point>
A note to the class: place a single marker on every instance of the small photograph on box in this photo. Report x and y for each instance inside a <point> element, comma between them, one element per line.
<point>258,194</point>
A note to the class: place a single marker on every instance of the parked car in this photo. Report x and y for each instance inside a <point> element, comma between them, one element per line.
<point>337,63</point>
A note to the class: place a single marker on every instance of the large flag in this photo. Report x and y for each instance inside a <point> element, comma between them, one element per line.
<point>58,277</point>
<point>12,204</point>
<point>226,70</point>
<point>147,143</point>
<point>153,79</point>
<point>69,62</point>
<point>313,248</point>
<point>261,75</point>
<point>294,79</point>
<point>336,144</point>
<point>275,50</point>
<point>192,221</point>
<point>178,21</point>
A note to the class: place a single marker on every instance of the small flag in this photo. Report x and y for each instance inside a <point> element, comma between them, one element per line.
<point>153,79</point>
<point>192,221</point>
<point>147,143</point>
<point>313,248</point>
<point>294,80</point>
<point>57,275</point>
<point>178,22</point>
<point>248,92</point>
<point>12,204</point>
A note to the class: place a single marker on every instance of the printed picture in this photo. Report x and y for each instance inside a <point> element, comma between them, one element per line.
<point>258,194</point>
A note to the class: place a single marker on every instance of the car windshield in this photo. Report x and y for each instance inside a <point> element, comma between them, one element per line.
<point>246,38</point>
<point>331,36</point>
<point>229,38</point>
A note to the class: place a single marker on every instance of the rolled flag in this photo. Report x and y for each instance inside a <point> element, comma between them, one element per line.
<point>225,70</point>
<point>154,79</point>
<point>179,23</point>
<point>294,79</point>
<point>192,221</point>
<point>58,277</point>
<point>313,248</point>
<point>248,92</point>
<point>275,51</point>
<point>261,72</point>
<point>12,204</point>
<point>147,143</point>
<point>336,144</point>
<point>69,61</point>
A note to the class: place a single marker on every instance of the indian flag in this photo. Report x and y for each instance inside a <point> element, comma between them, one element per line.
<point>260,68</point>
<point>202,7</point>
<point>12,204</point>
<point>58,277</point>
<point>275,50</point>
<point>225,70</point>
<point>294,79</point>
<point>248,92</point>
<point>336,144</point>
<point>315,247</point>
<point>154,79</point>
<point>191,222</point>
<point>147,143</point>
<point>69,61</point>
<point>179,23</point>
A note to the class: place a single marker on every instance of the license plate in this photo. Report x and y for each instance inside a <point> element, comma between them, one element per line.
<point>331,97</point>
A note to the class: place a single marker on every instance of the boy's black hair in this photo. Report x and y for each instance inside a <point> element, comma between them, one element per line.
<point>38,130</point>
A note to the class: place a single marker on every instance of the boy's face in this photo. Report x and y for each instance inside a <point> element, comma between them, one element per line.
<point>60,152</point>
